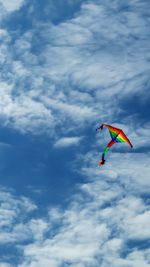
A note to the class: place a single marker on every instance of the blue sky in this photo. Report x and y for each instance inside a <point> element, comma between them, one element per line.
<point>65,68</point>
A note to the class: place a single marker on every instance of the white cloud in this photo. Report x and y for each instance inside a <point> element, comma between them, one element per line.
<point>101,58</point>
<point>133,170</point>
<point>140,136</point>
<point>12,224</point>
<point>67,141</point>
<point>3,264</point>
<point>102,218</point>
<point>13,5</point>
<point>38,227</point>
<point>81,66</point>
<point>93,230</point>
<point>138,226</point>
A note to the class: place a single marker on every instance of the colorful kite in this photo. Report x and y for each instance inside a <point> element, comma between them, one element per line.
<point>117,135</point>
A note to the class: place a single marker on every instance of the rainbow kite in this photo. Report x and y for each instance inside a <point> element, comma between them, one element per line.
<point>117,135</point>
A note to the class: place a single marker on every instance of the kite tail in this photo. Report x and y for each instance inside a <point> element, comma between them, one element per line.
<point>104,152</point>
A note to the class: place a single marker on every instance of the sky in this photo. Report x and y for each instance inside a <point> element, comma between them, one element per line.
<point>66,67</point>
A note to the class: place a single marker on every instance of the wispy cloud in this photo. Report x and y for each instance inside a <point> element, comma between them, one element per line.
<point>11,211</point>
<point>2,264</point>
<point>88,230</point>
<point>133,171</point>
<point>57,79</point>
<point>46,79</point>
<point>11,6</point>
<point>67,141</point>
<point>107,215</point>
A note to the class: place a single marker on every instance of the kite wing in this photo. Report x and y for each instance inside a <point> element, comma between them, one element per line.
<point>117,136</point>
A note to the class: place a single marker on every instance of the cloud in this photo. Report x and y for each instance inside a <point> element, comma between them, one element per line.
<point>2,264</point>
<point>11,212</point>
<point>67,142</point>
<point>57,79</point>
<point>140,136</point>
<point>74,67</point>
<point>138,226</point>
<point>105,216</point>
<point>104,223</point>
<point>4,145</point>
<point>11,6</point>
<point>95,229</point>
<point>133,170</point>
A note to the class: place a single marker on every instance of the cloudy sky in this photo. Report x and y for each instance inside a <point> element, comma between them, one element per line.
<point>66,66</point>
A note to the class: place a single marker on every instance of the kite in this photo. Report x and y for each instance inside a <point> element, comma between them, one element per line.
<point>117,136</point>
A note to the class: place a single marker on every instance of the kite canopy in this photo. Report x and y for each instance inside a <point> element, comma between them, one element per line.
<point>117,136</point>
